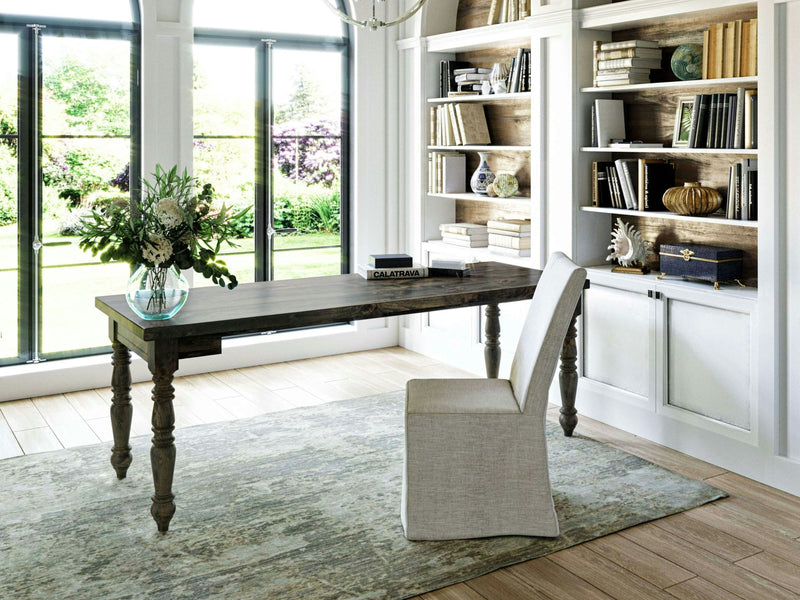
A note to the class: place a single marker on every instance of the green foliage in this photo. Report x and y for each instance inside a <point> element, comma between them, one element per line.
<point>307,99</point>
<point>308,208</point>
<point>172,225</point>
<point>91,103</point>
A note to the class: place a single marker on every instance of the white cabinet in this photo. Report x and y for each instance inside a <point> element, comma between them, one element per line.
<point>671,348</point>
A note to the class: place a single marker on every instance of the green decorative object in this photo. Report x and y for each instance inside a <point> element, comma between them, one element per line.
<point>505,185</point>
<point>692,199</point>
<point>687,62</point>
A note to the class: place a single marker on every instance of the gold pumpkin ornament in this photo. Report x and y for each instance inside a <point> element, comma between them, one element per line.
<point>692,199</point>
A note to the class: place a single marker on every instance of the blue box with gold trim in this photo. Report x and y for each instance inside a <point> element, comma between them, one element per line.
<point>709,263</point>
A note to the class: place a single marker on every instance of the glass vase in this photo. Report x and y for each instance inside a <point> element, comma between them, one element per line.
<point>157,293</point>
<point>482,176</point>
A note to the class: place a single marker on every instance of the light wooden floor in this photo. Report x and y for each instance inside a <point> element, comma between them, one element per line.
<point>744,547</point>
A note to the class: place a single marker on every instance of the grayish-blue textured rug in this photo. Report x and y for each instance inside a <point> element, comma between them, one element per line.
<point>302,504</point>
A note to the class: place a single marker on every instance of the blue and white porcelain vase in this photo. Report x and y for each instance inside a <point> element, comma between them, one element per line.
<point>482,176</point>
<point>157,293</point>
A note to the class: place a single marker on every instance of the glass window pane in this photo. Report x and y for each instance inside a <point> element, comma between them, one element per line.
<point>306,17</point>
<point>86,86</point>
<point>224,90</point>
<point>94,10</point>
<point>307,263</point>
<point>9,268</point>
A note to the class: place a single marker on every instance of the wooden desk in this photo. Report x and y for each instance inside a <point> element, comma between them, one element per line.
<point>212,313</point>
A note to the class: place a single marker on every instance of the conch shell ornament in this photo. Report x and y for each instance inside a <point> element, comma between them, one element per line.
<point>627,246</point>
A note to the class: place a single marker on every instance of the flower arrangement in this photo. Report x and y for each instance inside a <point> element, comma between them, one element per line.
<point>172,225</point>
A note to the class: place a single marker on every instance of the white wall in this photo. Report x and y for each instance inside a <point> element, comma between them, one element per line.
<point>166,78</point>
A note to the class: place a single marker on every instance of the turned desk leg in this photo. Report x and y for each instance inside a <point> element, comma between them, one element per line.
<point>162,453</point>
<point>568,377</point>
<point>121,409</point>
<point>491,353</point>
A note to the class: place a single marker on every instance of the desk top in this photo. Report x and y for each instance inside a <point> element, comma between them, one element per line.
<point>288,304</point>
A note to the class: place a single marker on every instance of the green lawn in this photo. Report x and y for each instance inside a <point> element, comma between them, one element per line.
<point>72,278</point>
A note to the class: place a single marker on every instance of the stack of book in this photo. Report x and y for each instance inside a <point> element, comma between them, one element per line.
<point>470,79</point>
<point>391,266</point>
<point>632,184</point>
<point>510,237</point>
<point>725,120</point>
<point>519,72</point>
<point>458,124</point>
<point>506,11</point>
<point>468,235</point>
<point>731,49</point>
<point>624,63</point>
<point>743,190</point>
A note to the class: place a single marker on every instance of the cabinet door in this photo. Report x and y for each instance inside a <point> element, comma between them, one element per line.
<point>617,338</point>
<point>708,360</point>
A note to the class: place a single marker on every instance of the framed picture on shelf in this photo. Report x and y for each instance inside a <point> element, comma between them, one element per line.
<point>683,122</point>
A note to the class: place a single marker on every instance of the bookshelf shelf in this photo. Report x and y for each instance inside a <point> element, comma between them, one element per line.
<point>480,198</point>
<point>477,38</point>
<point>668,216</point>
<point>619,16</point>
<point>472,254</point>
<point>482,98</point>
<point>675,85</point>
<point>704,151</point>
<point>488,148</point>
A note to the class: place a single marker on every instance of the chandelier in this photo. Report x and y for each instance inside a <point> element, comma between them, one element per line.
<point>374,23</point>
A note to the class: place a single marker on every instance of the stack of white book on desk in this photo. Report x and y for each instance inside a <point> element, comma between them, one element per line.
<point>625,62</point>
<point>468,235</point>
<point>510,237</point>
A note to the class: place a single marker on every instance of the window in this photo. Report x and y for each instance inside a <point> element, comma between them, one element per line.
<point>68,141</point>
<point>270,115</point>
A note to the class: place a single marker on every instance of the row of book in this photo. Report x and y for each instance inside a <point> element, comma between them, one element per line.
<point>468,235</point>
<point>458,77</point>
<point>731,49</point>
<point>458,124</point>
<point>725,120</point>
<point>742,202</point>
<point>401,266</point>
<point>632,183</point>
<point>625,62</point>
<point>507,11</point>
<point>519,73</point>
<point>447,172</point>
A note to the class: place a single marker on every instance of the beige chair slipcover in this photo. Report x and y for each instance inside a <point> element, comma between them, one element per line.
<point>476,455</point>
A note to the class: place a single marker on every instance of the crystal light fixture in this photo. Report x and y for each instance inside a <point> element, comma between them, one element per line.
<point>373,22</point>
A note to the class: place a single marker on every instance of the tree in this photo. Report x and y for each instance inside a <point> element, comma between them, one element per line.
<point>306,101</point>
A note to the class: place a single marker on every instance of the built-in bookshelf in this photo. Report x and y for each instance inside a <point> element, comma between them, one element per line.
<point>650,115</point>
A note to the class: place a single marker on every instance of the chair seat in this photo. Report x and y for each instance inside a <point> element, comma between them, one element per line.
<point>460,396</point>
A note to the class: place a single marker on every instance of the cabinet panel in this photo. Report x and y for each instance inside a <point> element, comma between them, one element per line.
<point>708,361</point>
<point>616,338</point>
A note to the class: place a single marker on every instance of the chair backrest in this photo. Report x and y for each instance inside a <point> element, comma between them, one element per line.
<point>543,333</point>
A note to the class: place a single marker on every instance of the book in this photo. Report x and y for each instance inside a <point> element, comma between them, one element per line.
<point>651,63</point>
<point>751,119</point>
<point>494,12</point>
<point>627,168</point>
<point>447,81</point>
<point>464,237</point>
<point>750,188</point>
<point>730,127</point>
<point>468,243</point>
<point>601,195</point>
<point>471,70</point>
<point>752,54</point>
<point>462,228</point>
<point>636,52</point>
<point>509,241</point>
<point>632,80</point>
<point>521,252</point>
<point>729,45</point>
<point>413,272</point>
<point>454,174</point>
<point>694,121</point>
<point>448,263</point>
<point>744,63</point>
<point>472,121</point>
<point>492,230</point>
<point>655,178</point>
<point>705,54</point>
<point>448,272</point>
<point>382,261</point>
<point>636,144</point>
<point>610,118</point>
<point>510,224</point>
<point>628,44</point>
<point>595,49</point>
<point>702,121</point>
<point>472,77</point>
<point>738,137</point>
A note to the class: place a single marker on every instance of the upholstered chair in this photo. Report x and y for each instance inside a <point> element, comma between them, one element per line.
<point>476,454</point>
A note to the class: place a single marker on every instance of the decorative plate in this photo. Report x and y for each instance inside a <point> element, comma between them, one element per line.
<point>505,185</point>
<point>687,61</point>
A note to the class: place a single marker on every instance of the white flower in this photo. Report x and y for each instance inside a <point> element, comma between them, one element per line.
<point>157,250</point>
<point>168,212</point>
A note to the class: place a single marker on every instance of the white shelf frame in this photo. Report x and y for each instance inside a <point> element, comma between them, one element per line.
<point>482,98</point>
<point>674,85</point>
<point>481,198</point>
<point>736,151</point>
<point>473,254</point>
<point>668,216</point>
<point>487,148</point>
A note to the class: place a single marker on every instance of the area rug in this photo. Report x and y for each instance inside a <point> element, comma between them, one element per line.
<point>302,504</point>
